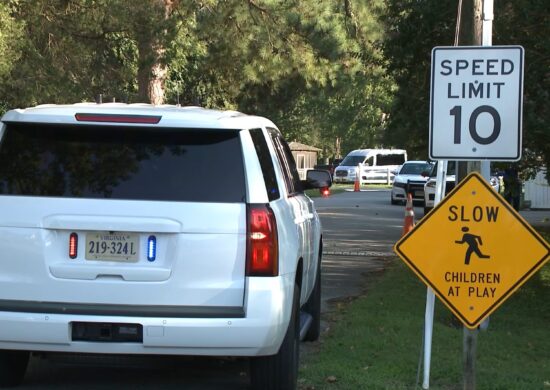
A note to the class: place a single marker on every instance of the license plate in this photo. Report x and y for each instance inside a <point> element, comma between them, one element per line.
<point>112,246</point>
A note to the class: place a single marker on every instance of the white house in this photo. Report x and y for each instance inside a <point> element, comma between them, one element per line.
<point>537,191</point>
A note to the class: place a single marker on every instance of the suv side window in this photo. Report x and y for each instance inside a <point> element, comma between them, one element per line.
<point>290,173</point>
<point>264,156</point>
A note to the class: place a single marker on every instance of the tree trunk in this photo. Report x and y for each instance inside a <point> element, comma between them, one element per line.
<point>156,84</point>
<point>144,68</point>
<point>152,71</point>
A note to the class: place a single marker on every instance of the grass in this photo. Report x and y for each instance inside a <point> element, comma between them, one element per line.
<point>374,342</point>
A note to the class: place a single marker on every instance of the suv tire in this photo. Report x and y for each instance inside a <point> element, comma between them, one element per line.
<point>280,371</point>
<point>13,365</point>
<point>313,307</point>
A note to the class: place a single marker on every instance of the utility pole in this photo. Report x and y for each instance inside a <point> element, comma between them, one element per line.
<point>471,29</point>
<point>470,34</point>
<point>476,30</point>
<point>495,137</point>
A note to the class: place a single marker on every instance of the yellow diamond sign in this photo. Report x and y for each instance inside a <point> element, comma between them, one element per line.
<point>473,250</point>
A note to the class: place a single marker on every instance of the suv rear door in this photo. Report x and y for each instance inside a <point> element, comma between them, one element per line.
<point>111,184</point>
<point>304,216</point>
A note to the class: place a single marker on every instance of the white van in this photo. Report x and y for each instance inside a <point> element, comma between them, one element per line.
<point>379,165</point>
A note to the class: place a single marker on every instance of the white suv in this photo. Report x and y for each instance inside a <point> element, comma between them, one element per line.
<point>133,229</point>
<point>450,181</point>
<point>410,179</point>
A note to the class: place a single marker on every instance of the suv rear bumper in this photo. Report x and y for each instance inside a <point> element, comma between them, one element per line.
<point>268,304</point>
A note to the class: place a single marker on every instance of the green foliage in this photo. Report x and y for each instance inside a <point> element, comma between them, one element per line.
<point>74,50</point>
<point>522,22</point>
<point>415,27</point>
<point>311,66</point>
<point>10,40</point>
<point>302,64</point>
<point>323,70</point>
<point>337,89</point>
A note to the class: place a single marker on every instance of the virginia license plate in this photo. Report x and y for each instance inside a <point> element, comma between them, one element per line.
<point>112,246</point>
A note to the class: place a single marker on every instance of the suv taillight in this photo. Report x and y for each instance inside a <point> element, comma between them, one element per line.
<point>262,257</point>
<point>73,245</point>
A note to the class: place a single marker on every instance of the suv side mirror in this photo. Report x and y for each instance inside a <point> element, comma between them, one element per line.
<point>317,178</point>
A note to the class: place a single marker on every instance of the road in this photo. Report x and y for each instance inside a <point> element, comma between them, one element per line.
<point>360,229</point>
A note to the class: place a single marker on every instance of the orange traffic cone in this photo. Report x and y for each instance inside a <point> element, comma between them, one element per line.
<point>356,185</point>
<point>409,215</point>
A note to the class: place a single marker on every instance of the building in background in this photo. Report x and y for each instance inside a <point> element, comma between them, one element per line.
<point>537,192</point>
<point>305,157</point>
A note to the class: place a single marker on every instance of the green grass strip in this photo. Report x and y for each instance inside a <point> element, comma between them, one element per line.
<point>374,342</point>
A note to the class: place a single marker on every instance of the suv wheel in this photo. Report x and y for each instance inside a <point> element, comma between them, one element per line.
<point>313,307</point>
<point>280,371</point>
<point>13,365</point>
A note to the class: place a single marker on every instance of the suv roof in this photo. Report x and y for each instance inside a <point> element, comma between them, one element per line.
<point>167,115</point>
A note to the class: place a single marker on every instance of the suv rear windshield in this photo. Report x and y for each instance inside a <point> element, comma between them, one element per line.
<point>133,163</point>
<point>415,168</point>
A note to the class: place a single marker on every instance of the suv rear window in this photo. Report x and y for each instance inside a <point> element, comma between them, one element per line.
<point>133,163</point>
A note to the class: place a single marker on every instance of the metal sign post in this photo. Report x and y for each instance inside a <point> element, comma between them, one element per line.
<point>487,40</point>
<point>430,296</point>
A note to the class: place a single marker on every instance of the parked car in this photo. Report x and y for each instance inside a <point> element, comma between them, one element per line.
<point>429,187</point>
<point>330,167</point>
<point>108,247</point>
<point>378,165</point>
<point>450,182</point>
<point>410,178</point>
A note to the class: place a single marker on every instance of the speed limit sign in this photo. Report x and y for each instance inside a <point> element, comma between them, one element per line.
<point>476,103</point>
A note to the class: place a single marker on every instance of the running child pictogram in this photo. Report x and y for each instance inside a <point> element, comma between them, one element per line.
<point>473,242</point>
